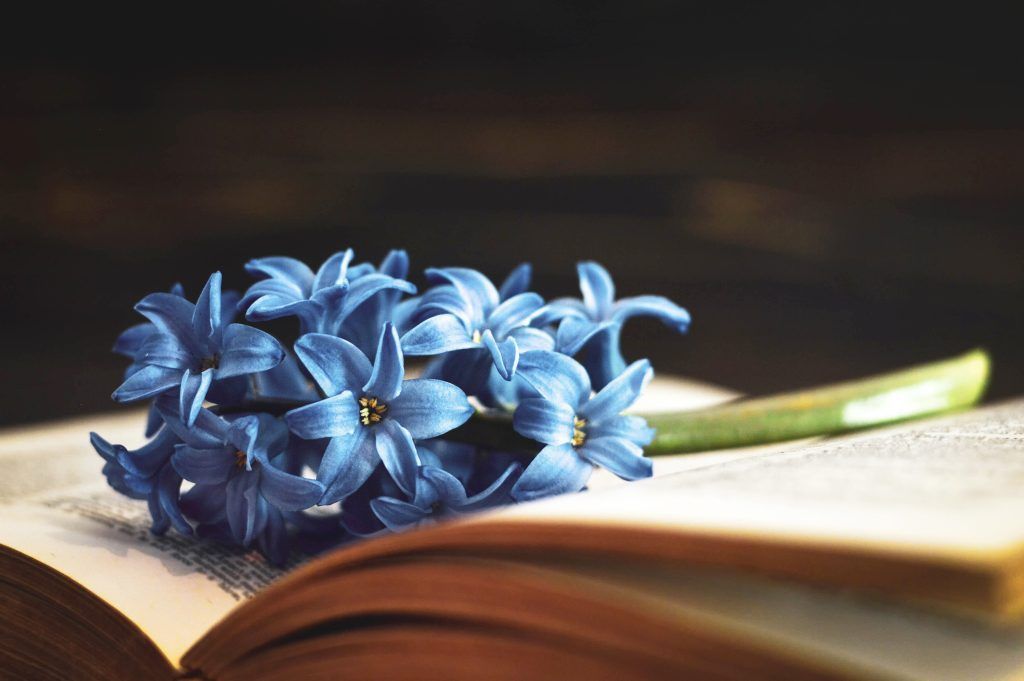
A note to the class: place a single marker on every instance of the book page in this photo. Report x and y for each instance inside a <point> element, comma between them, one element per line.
<point>57,508</point>
<point>949,486</point>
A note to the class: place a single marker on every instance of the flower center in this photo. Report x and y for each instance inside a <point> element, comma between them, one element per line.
<point>371,410</point>
<point>211,362</point>
<point>240,458</point>
<point>477,336</point>
<point>579,435</point>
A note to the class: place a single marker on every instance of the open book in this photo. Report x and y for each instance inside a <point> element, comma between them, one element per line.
<point>895,554</point>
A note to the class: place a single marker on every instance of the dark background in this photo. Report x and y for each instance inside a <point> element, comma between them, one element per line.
<point>830,190</point>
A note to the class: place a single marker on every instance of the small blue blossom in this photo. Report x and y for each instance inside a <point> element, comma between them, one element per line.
<point>321,301</point>
<point>465,318</point>
<point>238,482</point>
<point>580,432</point>
<point>362,326</point>
<point>439,494</point>
<point>194,349</point>
<point>595,322</point>
<point>370,413</point>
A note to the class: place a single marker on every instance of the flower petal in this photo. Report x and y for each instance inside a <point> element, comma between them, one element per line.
<point>429,407</point>
<point>247,351</point>
<point>335,364</point>
<point>206,315</point>
<point>498,493</point>
<point>165,350</point>
<point>597,287</point>
<point>364,288</point>
<point>555,376</point>
<point>559,309</point>
<point>397,514</point>
<point>574,332</point>
<point>168,490</point>
<point>243,508</point>
<point>286,491</point>
<point>633,428</point>
<point>388,368</point>
<point>397,451</point>
<point>472,284</point>
<point>544,421</point>
<point>132,338</point>
<point>146,382</point>
<point>207,432</point>
<point>348,461</point>
<point>205,503</point>
<point>619,394</point>
<point>173,315</point>
<point>604,361</point>
<point>617,455</point>
<point>285,269</point>
<point>529,338</point>
<point>447,488</point>
<point>334,270</point>
<point>652,306</point>
<point>395,264</point>
<point>504,355</point>
<point>557,469</point>
<point>193,391</point>
<point>203,466</point>
<point>518,281</point>
<point>515,311</point>
<point>273,542</point>
<point>332,417</point>
<point>441,333</point>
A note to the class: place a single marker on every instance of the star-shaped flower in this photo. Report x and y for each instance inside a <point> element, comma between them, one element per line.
<point>321,301</point>
<point>194,349</point>
<point>371,414</point>
<point>466,318</point>
<point>580,432</point>
<point>595,321</point>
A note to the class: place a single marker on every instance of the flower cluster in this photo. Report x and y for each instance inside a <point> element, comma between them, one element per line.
<point>263,445</point>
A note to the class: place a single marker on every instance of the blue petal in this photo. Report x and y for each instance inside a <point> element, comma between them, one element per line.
<point>335,364</point>
<point>132,338</point>
<point>518,281</point>
<point>273,542</point>
<point>442,333</point>
<point>528,338</point>
<point>397,451</point>
<point>333,271</point>
<point>619,394</point>
<point>258,435</point>
<point>428,407</point>
<point>168,489</point>
<point>206,315</point>
<point>204,466</point>
<point>505,356</point>
<point>366,287</point>
<point>193,391</point>
<point>575,332</point>
<point>652,306</point>
<point>633,428</point>
<point>247,351</point>
<point>332,417</point>
<point>396,514</point>
<point>557,469</point>
<point>604,361</point>
<point>149,458</point>
<point>205,503</point>
<point>617,455</point>
<point>544,421</point>
<point>597,287</point>
<point>555,377</point>
<point>286,491</point>
<point>499,492</point>
<point>559,309</point>
<point>207,432</point>
<point>266,308</point>
<point>284,383</point>
<point>166,351</point>
<point>395,264</point>
<point>173,315</point>
<point>160,520</point>
<point>288,270</point>
<point>388,368</point>
<point>448,300</point>
<point>153,421</point>
<point>348,461</point>
<point>472,284</point>
<point>515,311</point>
<point>244,512</point>
<point>447,488</point>
<point>469,369</point>
<point>147,382</point>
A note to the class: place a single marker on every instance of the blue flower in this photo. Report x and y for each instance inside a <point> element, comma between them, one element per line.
<point>466,318</point>
<point>579,431</point>
<point>321,301</point>
<point>595,322</point>
<point>371,414</point>
<point>439,494</point>
<point>238,480</point>
<point>362,326</point>
<point>194,349</point>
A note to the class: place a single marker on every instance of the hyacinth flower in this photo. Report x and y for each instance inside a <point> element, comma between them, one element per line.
<point>194,349</point>
<point>237,483</point>
<point>439,494</point>
<point>321,301</point>
<point>465,319</point>
<point>579,431</point>
<point>594,323</point>
<point>362,326</point>
<point>371,414</point>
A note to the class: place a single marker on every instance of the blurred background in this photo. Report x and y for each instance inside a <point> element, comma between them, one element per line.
<point>830,191</point>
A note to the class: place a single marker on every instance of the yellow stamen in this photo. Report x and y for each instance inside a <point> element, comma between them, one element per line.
<point>371,410</point>
<point>240,459</point>
<point>477,336</point>
<point>578,434</point>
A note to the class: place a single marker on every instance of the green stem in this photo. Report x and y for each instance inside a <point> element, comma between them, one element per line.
<point>923,390</point>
